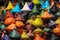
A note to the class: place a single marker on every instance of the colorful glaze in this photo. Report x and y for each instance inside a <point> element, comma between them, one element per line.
<point>16,9</point>
<point>10,6</point>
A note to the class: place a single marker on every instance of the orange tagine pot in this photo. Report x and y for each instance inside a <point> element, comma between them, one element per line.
<point>19,23</point>
<point>9,20</point>
<point>46,14</point>
<point>11,27</point>
<point>57,30</point>
<point>38,37</point>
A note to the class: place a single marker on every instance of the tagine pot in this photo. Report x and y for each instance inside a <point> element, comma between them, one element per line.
<point>31,5</point>
<point>24,36</point>
<point>14,34</point>
<point>19,24</point>
<point>38,37</point>
<point>9,21</point>
<point>11,27</point>
<point>37,22</point>
<point>56,30</point>
<point>58,20</point>
<point>46,15</point>
<point>8,14</point>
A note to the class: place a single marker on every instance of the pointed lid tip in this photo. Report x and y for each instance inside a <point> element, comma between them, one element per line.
<point>46,14</point>
<point>17,8</point>
<point>26,7</point>
<point>10,6</point>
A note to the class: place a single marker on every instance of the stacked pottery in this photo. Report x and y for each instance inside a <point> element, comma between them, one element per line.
<point>30,20</point>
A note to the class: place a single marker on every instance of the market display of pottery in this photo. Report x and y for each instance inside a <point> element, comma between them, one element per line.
<point>30,20</point>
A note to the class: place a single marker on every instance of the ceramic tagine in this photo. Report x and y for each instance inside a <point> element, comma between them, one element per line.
<point>31,5</point>
<point>24,36</point>
<point>58,21</point>
<point>19,24</point>
<point>10,6</point>
<point>16,9</point>
<point>45,4</point>
<point>11,27</point>
<point>26,7</point>
<point>14,34</point>
<point>38,37</point>
<point>9,21</point>
<point>8,14</point>
<point>37,22</point>
<point>35,10</point>
<point>26,10</point>
<point>56,30</point>
<point>46,15</point>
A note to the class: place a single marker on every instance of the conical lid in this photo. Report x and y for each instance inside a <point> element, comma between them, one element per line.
<point>11,27</point>
<point>19,24</point>
<point>6,37</point>
<point>8,14</point>
<point>51,23</point>
<point>26,7</point>
<point>46,15</point>
<point>58,13</point>
<point>37,30</point>
<point>2,27</point>
<point>56,30</point>
<point>38,37</point>
<point>58,21</point>
<point>10,6</point>
<point>31,6</point>
<point>24,36</point>
<point>36,1</point>
<point>35,10</point>
<point>14,34</point>
<point>37,22</point>
<point>17,8</point>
